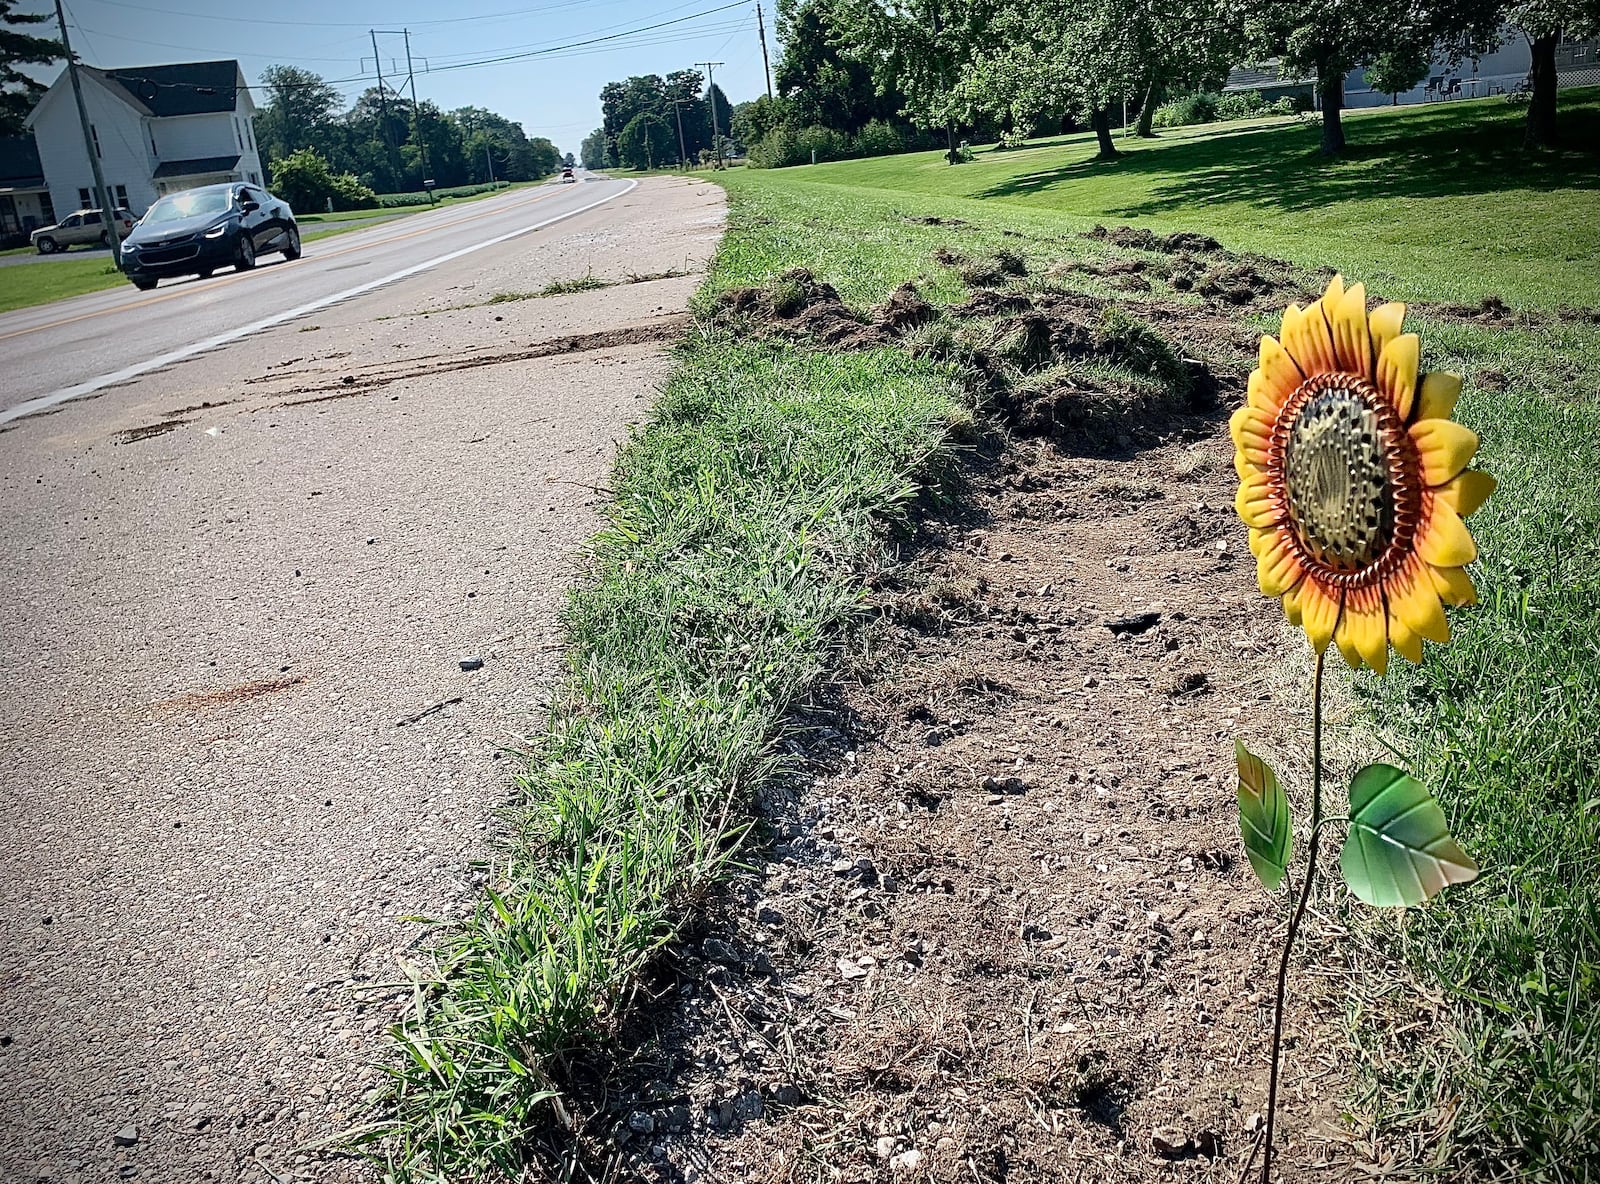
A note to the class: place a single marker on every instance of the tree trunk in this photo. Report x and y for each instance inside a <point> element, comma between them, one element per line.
<point>951,153</point>
<point>1541,130</point>
<point>1147,112</point>
<point>1330,83</point>
<point>1101,122</point>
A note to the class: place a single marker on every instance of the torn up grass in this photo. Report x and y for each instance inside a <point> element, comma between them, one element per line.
<point>748,510</point>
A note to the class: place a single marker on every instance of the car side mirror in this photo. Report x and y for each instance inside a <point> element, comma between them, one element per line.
<point>249,207</point>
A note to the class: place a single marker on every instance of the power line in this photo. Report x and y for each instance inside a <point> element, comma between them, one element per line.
<point>250,20</point>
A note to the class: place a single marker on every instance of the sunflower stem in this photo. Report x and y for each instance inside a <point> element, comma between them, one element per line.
<point>1299,912</point>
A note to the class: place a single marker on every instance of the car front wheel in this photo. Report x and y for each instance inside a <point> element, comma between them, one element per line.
<point>143,283</point>
<point>46,245</point>
<point>244,254</point>
<point>291,249</point>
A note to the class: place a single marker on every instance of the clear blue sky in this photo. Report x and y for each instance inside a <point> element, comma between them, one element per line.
<point>554,94</point>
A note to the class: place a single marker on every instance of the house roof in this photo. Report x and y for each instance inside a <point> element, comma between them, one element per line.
<point>197,167</point>
<point>1267,75</point>
<point>186,88</point>
<point>19,163</point>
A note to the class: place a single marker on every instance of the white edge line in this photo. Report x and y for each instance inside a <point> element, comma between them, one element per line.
<point>66,394</point>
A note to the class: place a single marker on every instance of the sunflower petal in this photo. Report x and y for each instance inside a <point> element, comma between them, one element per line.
<point>1252,433</point>
<point>1256,502</point>
<point>1279,375</point>
<point>1453,585</point>
<point>1291,603</point>
<point>1406,643</point>
<point>1466,491</point>
<point>1436,397</point>
<point>1443,539</point>
<point>1242,466</point>
<point>1414,601</point>
<point>1362,635</point>
<point>1305,336</point>
<point>1351,341</point>
<point>1319,609</point>
<point>1445,447</point>
<point>1384,324</point>
<point>1258,540</point>
<point>1277,567</point>
<point>1333,293</point>
<point>1397,370</point>
<point>1262,397</point>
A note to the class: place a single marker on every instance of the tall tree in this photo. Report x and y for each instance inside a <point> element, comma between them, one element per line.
<point>18,92</point>
<point>299,111</point>
<point>595,151</point>
<point>827,82</point>
<point>921,48</point>
<point>1544,23</point>
<point>1327,41</point>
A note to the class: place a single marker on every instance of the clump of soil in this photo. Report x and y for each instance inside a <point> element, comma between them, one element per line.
<point>1139,239</point>
<point>930,220</point>
<point>1239,281</point>
<point>945,257</point>
<point>905,310</point>
<point>986,302</point>
<point>799,306</point>
<point>997,269</point>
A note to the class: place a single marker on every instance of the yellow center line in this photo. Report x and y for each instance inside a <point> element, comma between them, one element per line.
<point>238,276</point>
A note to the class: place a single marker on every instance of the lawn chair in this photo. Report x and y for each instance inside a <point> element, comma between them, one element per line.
<point>1431,92</point>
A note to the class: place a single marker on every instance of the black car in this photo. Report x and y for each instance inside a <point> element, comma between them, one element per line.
<point>199,230</point>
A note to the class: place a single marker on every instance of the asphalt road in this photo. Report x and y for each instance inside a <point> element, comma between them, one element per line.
<point>239,753</point>
<point>56,352</point>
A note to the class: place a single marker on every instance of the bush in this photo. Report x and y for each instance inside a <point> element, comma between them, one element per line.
<point>1200,107</point>
<point>1017,137</point>
<point>304,180</point>
<point>389,201</point>
<point>879,138</point>
<point>1241,104</point>
<point>786,145</point>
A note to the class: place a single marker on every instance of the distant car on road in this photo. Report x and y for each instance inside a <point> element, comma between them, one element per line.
<point>567,178</point>
<point>199,230</point>
<point>79,229</point>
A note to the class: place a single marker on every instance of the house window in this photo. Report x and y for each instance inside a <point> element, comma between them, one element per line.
<point>254,180</point>
<point>95,133</point>
<point>47,209</point>
<point>84,200</point>
<point>154,151</point>
<point>238,133</point>
<point>250,136</point>
<point>121,194</point>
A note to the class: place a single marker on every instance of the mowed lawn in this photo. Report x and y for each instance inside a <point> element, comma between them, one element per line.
<point>1477,1018</point>
<point>1436,201</point>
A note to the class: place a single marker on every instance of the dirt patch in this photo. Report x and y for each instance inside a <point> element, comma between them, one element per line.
<point>945,257</point>
<point>994,269</point>
<point>930,220</point>
<point>146,431</point>
<point>1137,238</point>
<point>243,693</point>
<point>800,307</point>
<point>1241,281</point>
<point>905,310</point>
<point>1002,927</point>
<point>986,302</point>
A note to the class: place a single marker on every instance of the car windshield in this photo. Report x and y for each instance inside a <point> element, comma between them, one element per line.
<point>188,205</point>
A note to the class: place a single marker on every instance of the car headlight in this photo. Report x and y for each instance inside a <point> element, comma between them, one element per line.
<point>218,230</point>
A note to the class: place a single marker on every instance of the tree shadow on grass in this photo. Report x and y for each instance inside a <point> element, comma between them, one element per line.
<point>1435,152</point>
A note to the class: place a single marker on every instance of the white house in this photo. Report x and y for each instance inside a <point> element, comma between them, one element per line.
<point>24,200</point>
<point>157,129</point>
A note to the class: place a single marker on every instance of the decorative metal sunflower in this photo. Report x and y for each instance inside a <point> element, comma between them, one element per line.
<point>1353,480</point>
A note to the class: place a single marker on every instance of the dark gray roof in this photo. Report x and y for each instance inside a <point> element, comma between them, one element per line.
<point>197,167</point>
<point>188,88</point>
<point>1257,79</point>
<point>19,163</point>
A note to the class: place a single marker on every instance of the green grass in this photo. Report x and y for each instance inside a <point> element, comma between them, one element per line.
<point>746,512</point>
<point>1438,201</point>
<point>1502,724</point>
<point>23,285</point>
<point>750,505</point>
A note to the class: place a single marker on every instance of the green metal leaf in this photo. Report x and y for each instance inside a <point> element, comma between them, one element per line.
<point>1263,817</point>
<point>1399,850</point>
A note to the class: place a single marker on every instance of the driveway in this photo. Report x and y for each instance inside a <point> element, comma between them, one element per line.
<point>239,583</point>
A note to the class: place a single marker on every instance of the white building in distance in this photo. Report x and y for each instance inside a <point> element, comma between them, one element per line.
<point>156,129</point>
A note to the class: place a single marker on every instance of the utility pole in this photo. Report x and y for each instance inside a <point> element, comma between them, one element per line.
<point>383,107</point>
<point>107,210</point>
<point>761,26</point>
<point>677,109</point>
<point>711,97</point>
<point>416,117</point>
<point>490,160</point>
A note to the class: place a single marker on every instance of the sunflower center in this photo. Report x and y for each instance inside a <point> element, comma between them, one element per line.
<point>1336,477</point>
